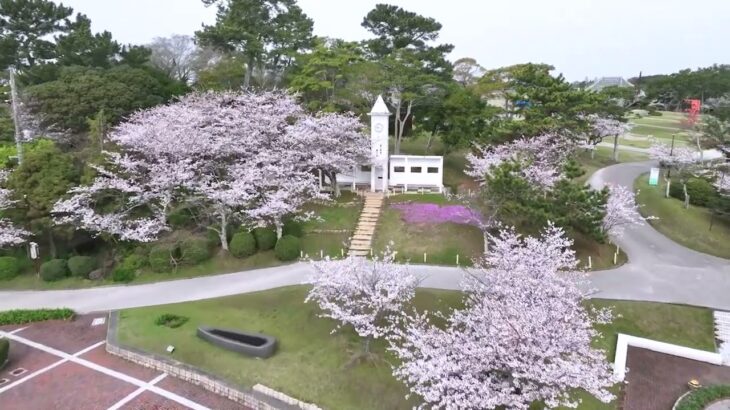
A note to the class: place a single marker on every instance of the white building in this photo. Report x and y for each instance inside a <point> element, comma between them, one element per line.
<point>393,173</point>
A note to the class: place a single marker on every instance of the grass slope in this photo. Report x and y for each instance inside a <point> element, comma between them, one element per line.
<point>688,227</point>
<point>311,363</point>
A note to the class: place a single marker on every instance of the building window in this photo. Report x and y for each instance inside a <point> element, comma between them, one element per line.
<point>365,168</point>
<point>433,170</point>
<point>416,170</point>
<point>399,169</point>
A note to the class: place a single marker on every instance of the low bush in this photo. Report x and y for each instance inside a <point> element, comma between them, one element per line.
<point>170,320</point>
<point>4,351</point>
<point>160,257</point>
<point>180,217</point>
<point>293,228</point>
<point>655,113</point>
<point>9,267</point>
<point>22,316</point>
<point>123,275</point>
<point>265,238</point>
<point>81,266</point>
<point>242,245</point>
<point>54,269</point>
<point>134,262</point>
<point>287,248</point>
<point>194,250</point>
<point>700,398</point>
<point>701,192</point>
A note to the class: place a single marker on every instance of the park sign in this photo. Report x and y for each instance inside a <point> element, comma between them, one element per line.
<point>654,176</point>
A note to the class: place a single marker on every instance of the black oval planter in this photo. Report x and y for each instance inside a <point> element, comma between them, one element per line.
<point>248,343</point>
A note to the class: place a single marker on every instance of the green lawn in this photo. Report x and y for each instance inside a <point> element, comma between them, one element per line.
<point>311,363</point>
<point>688,227</point>
<point>441,242</point>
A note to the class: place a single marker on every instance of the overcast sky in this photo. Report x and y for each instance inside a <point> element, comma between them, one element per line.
<point>581,38</point>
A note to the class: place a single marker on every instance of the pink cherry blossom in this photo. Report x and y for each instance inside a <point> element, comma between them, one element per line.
<point>524,334</point>
<point>622,211</point>
<point>10,235</point>
<point>362,293</point>
<point>541,158</point>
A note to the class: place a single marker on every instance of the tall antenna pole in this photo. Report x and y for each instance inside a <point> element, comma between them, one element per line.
<point>16,115</point>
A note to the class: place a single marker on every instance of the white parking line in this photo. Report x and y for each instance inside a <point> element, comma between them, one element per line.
<point>109,372</point>
<point>47,368</point>
<point>137,392</point>
<point>18,330</point>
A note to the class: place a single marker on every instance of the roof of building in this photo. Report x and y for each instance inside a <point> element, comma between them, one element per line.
<point>604,82</point>
<point>380,107</point>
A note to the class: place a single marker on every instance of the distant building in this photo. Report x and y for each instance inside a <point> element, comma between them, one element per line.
<point>603,82</point>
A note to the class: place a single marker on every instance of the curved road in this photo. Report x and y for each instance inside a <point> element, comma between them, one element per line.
<point>659,270</point>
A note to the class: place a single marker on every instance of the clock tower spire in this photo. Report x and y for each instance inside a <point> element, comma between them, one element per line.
<point>379,144</point>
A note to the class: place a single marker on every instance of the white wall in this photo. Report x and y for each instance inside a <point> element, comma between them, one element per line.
<point>416,179</point>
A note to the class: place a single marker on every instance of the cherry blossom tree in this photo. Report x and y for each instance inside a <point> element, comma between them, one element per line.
<point>601,128</point>
<point>335,143</point>
<point>524,334</point>
<point>541,158</point>
<point>622,211</point>
<point>684,160</point>
<point>235,156</point>
<point>10,235</point>
<point>362,293</point>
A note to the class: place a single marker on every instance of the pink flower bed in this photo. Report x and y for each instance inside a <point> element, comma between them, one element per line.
<point>436,214</point>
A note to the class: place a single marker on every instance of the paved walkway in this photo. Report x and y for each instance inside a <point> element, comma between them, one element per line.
<point>659,270</point>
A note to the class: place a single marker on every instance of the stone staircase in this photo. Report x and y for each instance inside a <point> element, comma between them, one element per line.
<point>722,333</point>
<point>361,242</point>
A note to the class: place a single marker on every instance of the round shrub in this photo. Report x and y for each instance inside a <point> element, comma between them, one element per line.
<point>159,257</point>
<point>701,192</point>
<point>9,267</point>
<point>242,245</point>
<point>54,269</point>
<point>124,275</point>
<point>287,248</point>
<point>265,238</point>
<point>293,228</point>
<point>170,320</point>
<point>194,250</point>
<point>180,217</point>
<point>134,262</point>
<point>81,266</point>
<point>4,351</point>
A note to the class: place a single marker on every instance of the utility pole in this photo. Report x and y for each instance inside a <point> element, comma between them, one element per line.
<point>16,115</point>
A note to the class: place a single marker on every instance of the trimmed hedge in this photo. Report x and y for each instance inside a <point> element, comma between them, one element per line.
<point>54,269</point>
<point>170,320</point>
<point>242,245</point>
<point>700,398</point>
<point>159,257</point>
<point>123,275</point>
<point>287,248</point>
<point>701,192</point>
<point>81,265</point>
<point>265,238</point>
<point>194,250</point>
<point>293,228</point>
<point>4,351</point>
<point>134,262</point>
<point>22,316</point>
<point>9,267</point>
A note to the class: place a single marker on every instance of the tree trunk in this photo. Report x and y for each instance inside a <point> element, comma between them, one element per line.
<point>593,152</point>
<point>51,244</point>
<point>249,73</point>
<point>669,183</point>
<point>335,186</point>
<point>686,195</point>
<point>279,229</point>
<point>615,148</point>
<point>398,127</point>
<point>366,345</point>
<point>222,233</point>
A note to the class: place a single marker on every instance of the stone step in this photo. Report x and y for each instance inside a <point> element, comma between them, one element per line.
<point>362,236</point>
<point>360,253</point>
<point>360,248</point>
<point>366,224</point>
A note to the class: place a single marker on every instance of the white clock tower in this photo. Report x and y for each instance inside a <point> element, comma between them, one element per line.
<point>379,118</point>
